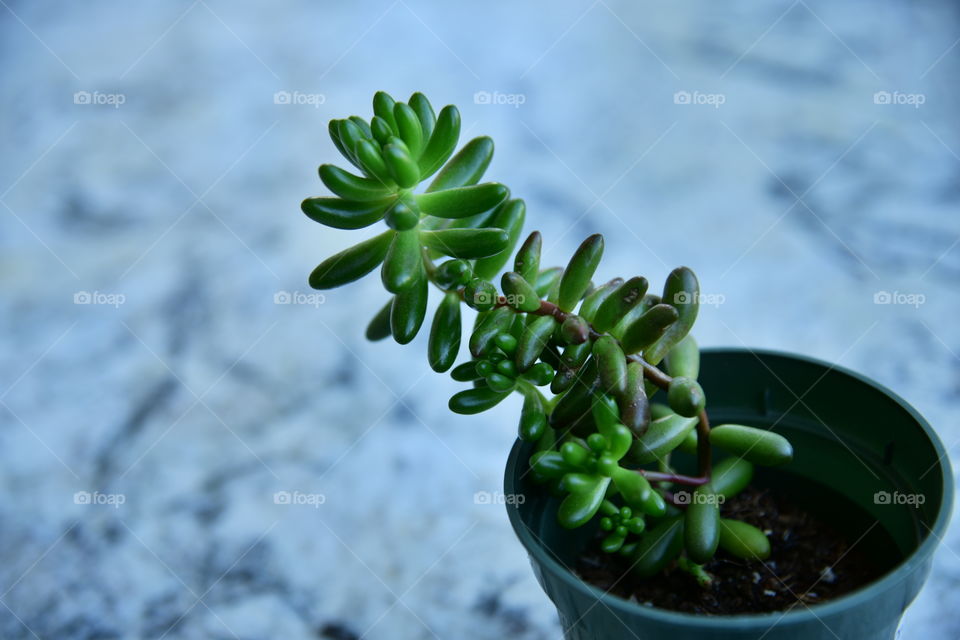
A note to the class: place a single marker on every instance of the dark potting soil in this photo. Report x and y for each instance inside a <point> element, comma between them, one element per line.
<point>809,563</point>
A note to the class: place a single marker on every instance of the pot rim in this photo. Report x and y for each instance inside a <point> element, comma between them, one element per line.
<point>908,566</point>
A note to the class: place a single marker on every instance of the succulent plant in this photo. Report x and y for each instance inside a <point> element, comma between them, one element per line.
<point>587,359</point>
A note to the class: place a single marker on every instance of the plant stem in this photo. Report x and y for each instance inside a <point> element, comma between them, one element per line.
<point>660,476</point>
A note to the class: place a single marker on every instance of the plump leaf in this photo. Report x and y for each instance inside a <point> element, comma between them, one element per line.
<point>701,528</point>
<point>686,397</point>
<point>731,476</point>
<point>461,202</point>
<point>682,292</point>
<point>627,296</point>
<point>403,265</point>
<point>633,402</point>
<point>596,298</point>
<point>509,216</point>
<point>351,187</point>
<point>743,540</point>
<point>527,261</point>
<point>445,332</point>
<point>409,128</point>
<point>755,445</point>
<point>519,293</point>
<point>495,322</point>
<point>684,359</point>
<point>658,547</point>
<point>351,264</point>
<point>661,437</point>
<point>611,364</point>
<point>465,168</point>
<point>578,508</point>
<point>442,142</point>
<point>533,341</point>
<point>345,214</point>
<point>473,401</point>
<point>383,105</point>
<point>648,328</point>
<point>579,271</point>
<point>408,311</point>
<point>401,165</point>
<point>466,243</point>
<point>533,418</point>
<point>419,103</point>
<point>379,327</point>
<point>548,281</point>
<point>372,163</point>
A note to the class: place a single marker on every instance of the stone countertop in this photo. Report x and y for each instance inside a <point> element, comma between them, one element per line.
<point>155,156</point>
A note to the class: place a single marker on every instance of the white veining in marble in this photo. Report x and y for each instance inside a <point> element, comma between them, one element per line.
<point>198,398</point>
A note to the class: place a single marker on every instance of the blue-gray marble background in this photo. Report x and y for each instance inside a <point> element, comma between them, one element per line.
<point>803,157</point>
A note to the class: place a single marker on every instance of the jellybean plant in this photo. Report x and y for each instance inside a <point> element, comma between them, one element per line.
<point>603,351</point>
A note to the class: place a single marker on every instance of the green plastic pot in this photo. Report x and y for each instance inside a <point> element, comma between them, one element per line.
<point>863,458</point>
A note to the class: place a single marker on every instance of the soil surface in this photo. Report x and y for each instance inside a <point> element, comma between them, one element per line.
<point>809,563</point>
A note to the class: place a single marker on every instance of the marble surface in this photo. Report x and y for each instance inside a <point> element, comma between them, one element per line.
<point>144,437</point>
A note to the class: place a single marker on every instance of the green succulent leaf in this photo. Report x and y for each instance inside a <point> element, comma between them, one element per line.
<point>533,418</point>
<point>533,341</point>
<point>402,167</point>
<point>633,402</point>
<point>627,296</point>
<point>743,540</point>
<point>661,437</point>
<point>684,359</point>
<point>755,445</point>
<point>686,397</point>
<point>548,281</point>
<point>595,299</point>
<point>527,261</point>
<point>409,128</point>
<point>445,332</point>
<point>351,264</point>
<point>579,271</point>
<point>519,293</point>
<point>379,327</point>
<point>408,311</point>
<point>579,507</point>
<point>611,364</point>
<point>658,547</point>
<point>352,187</point>
<point>381,130</point>
<point>424,110</point>
<point>403,265</point>
<point>442,142</point>
<point>345,214</point>
<point>476,400</point>
<point>731,476</point>
<point>371,162</point>
<point>461,202</point>
<point>466,243</point>
<point>509,216</point>
<point>702,525</point>
<point>648,328</point>
<point>482,339</point>
<point>465,168</point>
<point>682,292</point>
<point>383,105</point>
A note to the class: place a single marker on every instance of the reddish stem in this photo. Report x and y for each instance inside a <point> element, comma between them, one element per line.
<point>660,476</point>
